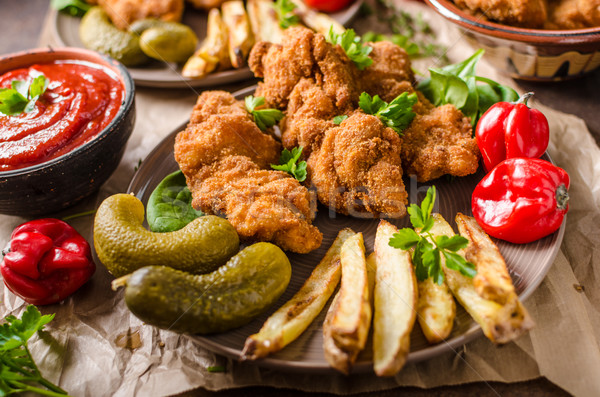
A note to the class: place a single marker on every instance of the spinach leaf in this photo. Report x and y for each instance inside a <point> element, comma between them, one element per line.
<point>170,205</point>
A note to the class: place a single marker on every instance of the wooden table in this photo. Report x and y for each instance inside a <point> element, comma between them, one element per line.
<point>22,24</point>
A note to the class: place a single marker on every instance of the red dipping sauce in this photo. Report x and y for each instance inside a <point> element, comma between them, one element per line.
<point>81,100</point>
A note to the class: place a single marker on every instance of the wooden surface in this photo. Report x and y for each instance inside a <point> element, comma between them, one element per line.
<point>22,22</point>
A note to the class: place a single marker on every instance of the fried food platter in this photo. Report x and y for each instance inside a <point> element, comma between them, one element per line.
<point>168,75</point>
<point>527,263</point>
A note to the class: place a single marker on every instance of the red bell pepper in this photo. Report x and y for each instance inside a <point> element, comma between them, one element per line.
<point>508,130</point>
<point>521,200</point>
<point>47,261</point>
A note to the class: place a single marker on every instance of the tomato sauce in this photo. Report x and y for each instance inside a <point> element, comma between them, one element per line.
<point>80,101</point>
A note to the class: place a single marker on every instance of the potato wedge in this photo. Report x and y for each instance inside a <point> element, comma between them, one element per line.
<point>291,319</point>
<point>492,280</point>
<point>436,310</point>
<point>346,327</point>
<point>264,21</point>
<point>395,303</point>
<point>319,22</point>
<point>213,52</point>
<point>241,38</point>
<point>501,323</point>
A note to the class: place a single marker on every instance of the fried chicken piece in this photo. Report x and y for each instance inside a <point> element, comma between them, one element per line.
<point>357,169</point>
<point>523,13</point>
<point>261,205</point>
<point>210,103</point>
<point>438,143</point>
<point>573,14</point>
<point>124,12</point>
<point>303,54</point>
<point>206,4</point>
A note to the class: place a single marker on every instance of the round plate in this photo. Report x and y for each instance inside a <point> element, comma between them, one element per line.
<point>168,75</point>
<point>527,264</point>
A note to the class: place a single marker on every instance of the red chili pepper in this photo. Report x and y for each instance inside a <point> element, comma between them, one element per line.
<point>47,261</point>
<point>508,130</point>
<point>521,200</point>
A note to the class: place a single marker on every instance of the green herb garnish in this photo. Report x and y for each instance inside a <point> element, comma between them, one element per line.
<point>285,13</point>
<point>354,48</point>
<point>457,84</point>
<point>76,8</point>
<point>397,114</point>
<point>288,162</point>
<point>18,372</point>
<point>428,249</point>
<point>22,96</point>
<point>264,118</point>
<point>337,120</point>
<point>216,368</point>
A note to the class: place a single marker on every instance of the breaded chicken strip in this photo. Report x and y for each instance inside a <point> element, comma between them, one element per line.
<point>357,169</point>
<point>210,103</point>
<point>523,13</point>
<point>124,12</point>
<point>304,54</point>
<point>438,143</point>
<point>261,205</point>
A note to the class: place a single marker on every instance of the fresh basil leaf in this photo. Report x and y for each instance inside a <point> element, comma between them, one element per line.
<point>456,262</point>
<point>404,239</point>
<point>170,205</point>
<point>337,120</point>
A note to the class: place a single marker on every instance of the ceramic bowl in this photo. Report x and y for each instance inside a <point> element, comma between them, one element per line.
<point>529,54</point>
<point>63,181</point>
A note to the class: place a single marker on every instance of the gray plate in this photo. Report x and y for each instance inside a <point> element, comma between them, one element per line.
<point>168,75</point>
<point>527,263</point>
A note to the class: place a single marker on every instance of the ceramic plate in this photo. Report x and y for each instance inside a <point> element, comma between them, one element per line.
<point>168,75</point>
<point>527,263</point>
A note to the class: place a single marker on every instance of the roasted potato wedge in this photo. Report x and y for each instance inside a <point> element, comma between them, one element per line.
<point>213,52</point>
<point>395,303</point>
<point>291,319</point>
<point>501,323</point>
<point>241,38</point>
<point>436,310</point>
<point>492,280</point>
<point>348,320</point>
<point>264,21</point>
<point>319,22</point>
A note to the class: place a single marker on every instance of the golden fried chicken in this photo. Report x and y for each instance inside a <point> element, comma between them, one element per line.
<point>206,4</point>
<point>357,169</point>
<point>124,12</point>
<point>439,142</point>
<point>223,155</point>
<point>261,205</point>
<point>303,54</point>
<point>523,13</point>
<point>573,14</point>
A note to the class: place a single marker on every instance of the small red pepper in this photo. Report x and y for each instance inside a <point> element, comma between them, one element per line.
<point>521,200</point>
<point>508,130</point>
<point>47,261</point>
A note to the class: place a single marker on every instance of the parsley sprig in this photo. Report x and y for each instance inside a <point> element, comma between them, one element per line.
<point>337,120</point>
<point>285,13</point>
<point>264,118</point>
<point>22,96</point>
<point>288,162</point>
<point>354,48</point>
<point>397,114</point>
<point>18,372</point>
<point>427,248</point>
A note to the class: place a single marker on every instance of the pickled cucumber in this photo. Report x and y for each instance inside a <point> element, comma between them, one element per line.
<point>98,33</point>
<point>169,42</point>
<point>227,298</point>
<point>123,244</point>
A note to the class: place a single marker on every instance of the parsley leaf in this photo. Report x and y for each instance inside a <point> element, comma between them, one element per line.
<point>428,249</point>
<point>264,118</point>
<point>18,372</point>
<point>22,95</point>
<point>288,162</point>
<point>337,120</point>
<point>285,13</point>
<point>76,8</point>
<point>351,44</point>
<point>457,84</point>
<point>397,114</point>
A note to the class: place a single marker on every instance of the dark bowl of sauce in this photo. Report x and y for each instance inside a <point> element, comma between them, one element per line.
<point>69,143</point>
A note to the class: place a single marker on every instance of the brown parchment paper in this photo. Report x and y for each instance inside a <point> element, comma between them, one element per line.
<point>85,347</point>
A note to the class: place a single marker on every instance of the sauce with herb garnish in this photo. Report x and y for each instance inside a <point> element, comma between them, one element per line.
<point>80,100</point>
